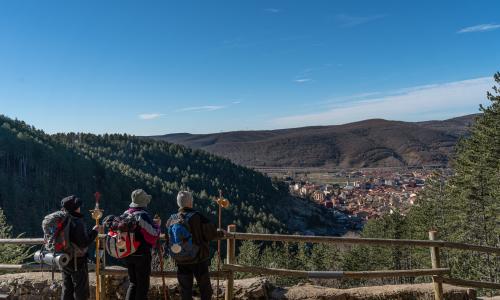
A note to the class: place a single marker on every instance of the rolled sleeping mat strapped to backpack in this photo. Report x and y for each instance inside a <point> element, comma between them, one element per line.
<point>59,260</point>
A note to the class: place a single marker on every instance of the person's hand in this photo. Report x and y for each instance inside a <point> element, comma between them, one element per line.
<point>221,232</point>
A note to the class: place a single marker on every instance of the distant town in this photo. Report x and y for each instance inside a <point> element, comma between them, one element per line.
<point>363,193</point>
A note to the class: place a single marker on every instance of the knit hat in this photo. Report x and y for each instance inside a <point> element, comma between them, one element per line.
<point>71,203</point>
<point>140,198</point>
<point>184,199</point>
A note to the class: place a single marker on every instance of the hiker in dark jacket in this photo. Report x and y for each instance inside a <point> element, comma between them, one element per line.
<point>147,233</point>
<point>202,231</point>
<point>75,274</point>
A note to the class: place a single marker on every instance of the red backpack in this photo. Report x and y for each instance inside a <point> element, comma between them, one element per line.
<point>120,240</point>
<point>56,230</point>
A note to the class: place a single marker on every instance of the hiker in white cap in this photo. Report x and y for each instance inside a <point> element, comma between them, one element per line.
<point>147,233</point>
<point>189,235</point>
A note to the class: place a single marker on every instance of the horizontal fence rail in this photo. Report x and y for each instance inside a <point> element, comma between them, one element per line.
<point>25,267</point>
<point>315,239</point>
<point>167,274</point>
<point>471,283</point>
<point>114,270</point>
<point>24,241</point>
<point>34,267</point>
<point>360,241</point>
<point>335,274</point>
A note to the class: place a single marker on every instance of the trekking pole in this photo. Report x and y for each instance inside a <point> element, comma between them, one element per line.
<point>166,295</point>
<point>97,215</point>
<point>221,203</point>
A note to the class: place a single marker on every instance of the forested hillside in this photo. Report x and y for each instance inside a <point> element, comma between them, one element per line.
<point>37,170</point>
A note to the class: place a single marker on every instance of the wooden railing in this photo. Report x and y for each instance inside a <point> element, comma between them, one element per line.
<point>439,274</point>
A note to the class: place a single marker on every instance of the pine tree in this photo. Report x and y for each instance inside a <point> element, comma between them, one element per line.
<point>249,255</point>
<point>466,208</point>
<point>473,194</point>
<point>10,254</point>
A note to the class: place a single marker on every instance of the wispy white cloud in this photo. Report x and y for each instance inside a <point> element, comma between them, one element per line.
<point>307,74</point>
<point>346,20</point>
<point>202,108</point>
<point>150,116</point>
<point>416,103</point>
<point>208,108</point>
<point>302,80</point>
<point>272,10</point>
<point>479,28</point>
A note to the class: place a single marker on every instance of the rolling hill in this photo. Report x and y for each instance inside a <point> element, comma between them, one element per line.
<point>369,143</point>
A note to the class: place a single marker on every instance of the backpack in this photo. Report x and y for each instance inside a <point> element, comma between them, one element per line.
<point>56,230</point>
<point>120,239</point>
<point>180,242</point>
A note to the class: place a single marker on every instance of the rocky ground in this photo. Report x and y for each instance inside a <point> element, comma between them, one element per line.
<point>38,285</point>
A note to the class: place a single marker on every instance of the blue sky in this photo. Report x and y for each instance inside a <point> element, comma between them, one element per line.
<point>155,67</point>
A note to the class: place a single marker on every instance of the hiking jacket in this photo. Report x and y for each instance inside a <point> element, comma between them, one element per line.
<point>203,231</point>
<point>78,234</point>
<point>147,232</point>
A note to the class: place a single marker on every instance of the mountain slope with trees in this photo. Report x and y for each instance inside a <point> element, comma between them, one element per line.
<point>37,170</point>
<point>370,143</point>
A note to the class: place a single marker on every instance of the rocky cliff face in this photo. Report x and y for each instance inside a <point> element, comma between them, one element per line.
<point>303,214</point>
<point>38,286</point>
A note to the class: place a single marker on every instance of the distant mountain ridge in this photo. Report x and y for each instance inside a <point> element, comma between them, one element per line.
<point>369,143</point>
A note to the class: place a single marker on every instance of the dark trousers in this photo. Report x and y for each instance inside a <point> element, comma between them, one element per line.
<point>185,274</point>
<point>139,270</point>
<point>75,282</point>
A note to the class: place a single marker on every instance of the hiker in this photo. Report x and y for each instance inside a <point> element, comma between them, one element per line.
<point>147,233</point>
<point>189,235</point>
<point>75,274</point>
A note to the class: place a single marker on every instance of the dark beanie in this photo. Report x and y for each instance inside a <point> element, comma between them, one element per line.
<point>71,203</point>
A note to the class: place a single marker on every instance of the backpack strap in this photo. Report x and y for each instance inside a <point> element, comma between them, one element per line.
<point>188,216</point>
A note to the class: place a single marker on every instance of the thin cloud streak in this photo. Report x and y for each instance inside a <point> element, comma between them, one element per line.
<point>202,108</point>
<point>303,80</point>
<point>479,28</point>
<point>272,10</point>
<point>150,116</point>
<point>415,104</point>
<point>346,20</point>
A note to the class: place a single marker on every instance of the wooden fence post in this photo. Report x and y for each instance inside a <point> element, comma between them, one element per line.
<point>436,264</point>
<point>104,279</point>
<point>231,259</point>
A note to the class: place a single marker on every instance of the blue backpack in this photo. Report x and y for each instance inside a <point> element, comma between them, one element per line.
<point>180,239</point>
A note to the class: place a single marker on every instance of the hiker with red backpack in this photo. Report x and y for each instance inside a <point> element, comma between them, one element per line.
<point>138,245</point>
<point>75,274</point>
<point>189,234</point>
